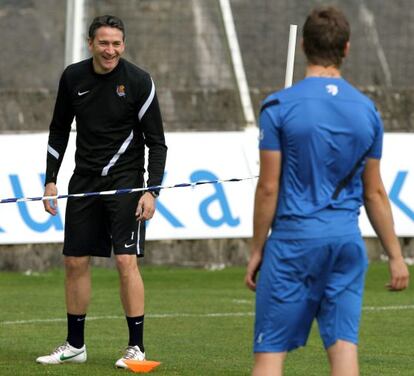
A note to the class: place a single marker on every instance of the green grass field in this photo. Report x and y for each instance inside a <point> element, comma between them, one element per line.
<point>198,322</point>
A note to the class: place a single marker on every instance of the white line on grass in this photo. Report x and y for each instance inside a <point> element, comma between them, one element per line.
<point>154,315</point>
<point>389,308</point>
<point>242,301</point>
<point>179,315</point>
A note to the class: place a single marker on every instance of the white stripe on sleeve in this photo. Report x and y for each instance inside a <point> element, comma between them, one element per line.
<point>52,151</point>
<point>147,103</point>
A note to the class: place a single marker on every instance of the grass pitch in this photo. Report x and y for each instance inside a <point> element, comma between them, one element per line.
<point>198,323</point>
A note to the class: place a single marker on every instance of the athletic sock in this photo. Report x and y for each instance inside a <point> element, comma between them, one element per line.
<point>76,328</point>
<point>136,331</point>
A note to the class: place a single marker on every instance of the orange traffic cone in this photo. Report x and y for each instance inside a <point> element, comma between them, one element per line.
<point>141,366</point>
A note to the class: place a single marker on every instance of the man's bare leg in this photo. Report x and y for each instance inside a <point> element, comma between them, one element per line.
<point>77,284</point>
<point>78,294</point>
<point>132,297</point>
<point>269,364</point>
<point>343,358</point>
<point>131,285</point>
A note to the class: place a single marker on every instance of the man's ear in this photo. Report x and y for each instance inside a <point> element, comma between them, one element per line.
<point>346,50</point>
<point>90,41</point>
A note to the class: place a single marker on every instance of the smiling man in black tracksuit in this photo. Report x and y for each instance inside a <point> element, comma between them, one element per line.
<point>117,115</point>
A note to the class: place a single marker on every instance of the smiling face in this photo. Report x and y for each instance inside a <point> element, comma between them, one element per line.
<point>106,48</point>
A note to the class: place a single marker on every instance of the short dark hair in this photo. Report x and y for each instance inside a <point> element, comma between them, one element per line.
<point>325,34</point>
<point>106,20</point>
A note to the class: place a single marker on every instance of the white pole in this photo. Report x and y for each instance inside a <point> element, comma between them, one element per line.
<point>74,31</point>
<point>78,32</point>
<point>75,13</point>
<point>237,62</point>
<point>69,32</point>
<point>291,55</point>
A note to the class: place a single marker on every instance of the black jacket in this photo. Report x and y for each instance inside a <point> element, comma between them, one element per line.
<point>117,114</point>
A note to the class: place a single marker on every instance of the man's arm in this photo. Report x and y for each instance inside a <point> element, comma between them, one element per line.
<point>265,204</point>
<point>379,213</point>
<point>58,139</point>
<point>151,122</point>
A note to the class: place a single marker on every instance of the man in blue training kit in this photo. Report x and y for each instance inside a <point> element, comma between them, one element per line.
<point>320,150</point>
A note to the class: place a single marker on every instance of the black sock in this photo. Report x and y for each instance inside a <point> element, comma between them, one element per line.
<point>76,327</point>
<point>136,331</point>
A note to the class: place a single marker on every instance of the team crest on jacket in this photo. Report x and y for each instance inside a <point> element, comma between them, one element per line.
<point>120,90</point>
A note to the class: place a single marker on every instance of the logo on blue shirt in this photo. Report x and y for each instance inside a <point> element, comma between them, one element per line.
<point>332,89</point>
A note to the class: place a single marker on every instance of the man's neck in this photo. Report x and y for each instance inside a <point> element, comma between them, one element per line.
<point>321,71</point>
<point>98,70</point>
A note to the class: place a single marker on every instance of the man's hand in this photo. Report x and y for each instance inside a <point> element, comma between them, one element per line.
<point>146,207</point>
<point>399,274</point>
<point>252,269</point>
<point>50,205</point>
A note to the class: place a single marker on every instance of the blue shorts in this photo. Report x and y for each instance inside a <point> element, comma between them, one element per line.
<point>301,280</point>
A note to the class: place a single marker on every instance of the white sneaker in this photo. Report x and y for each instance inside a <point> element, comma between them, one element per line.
<point>131,352</point>
<point>64,354</point>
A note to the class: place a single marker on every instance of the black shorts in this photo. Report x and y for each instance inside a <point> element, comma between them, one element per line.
<point>97,224</point>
